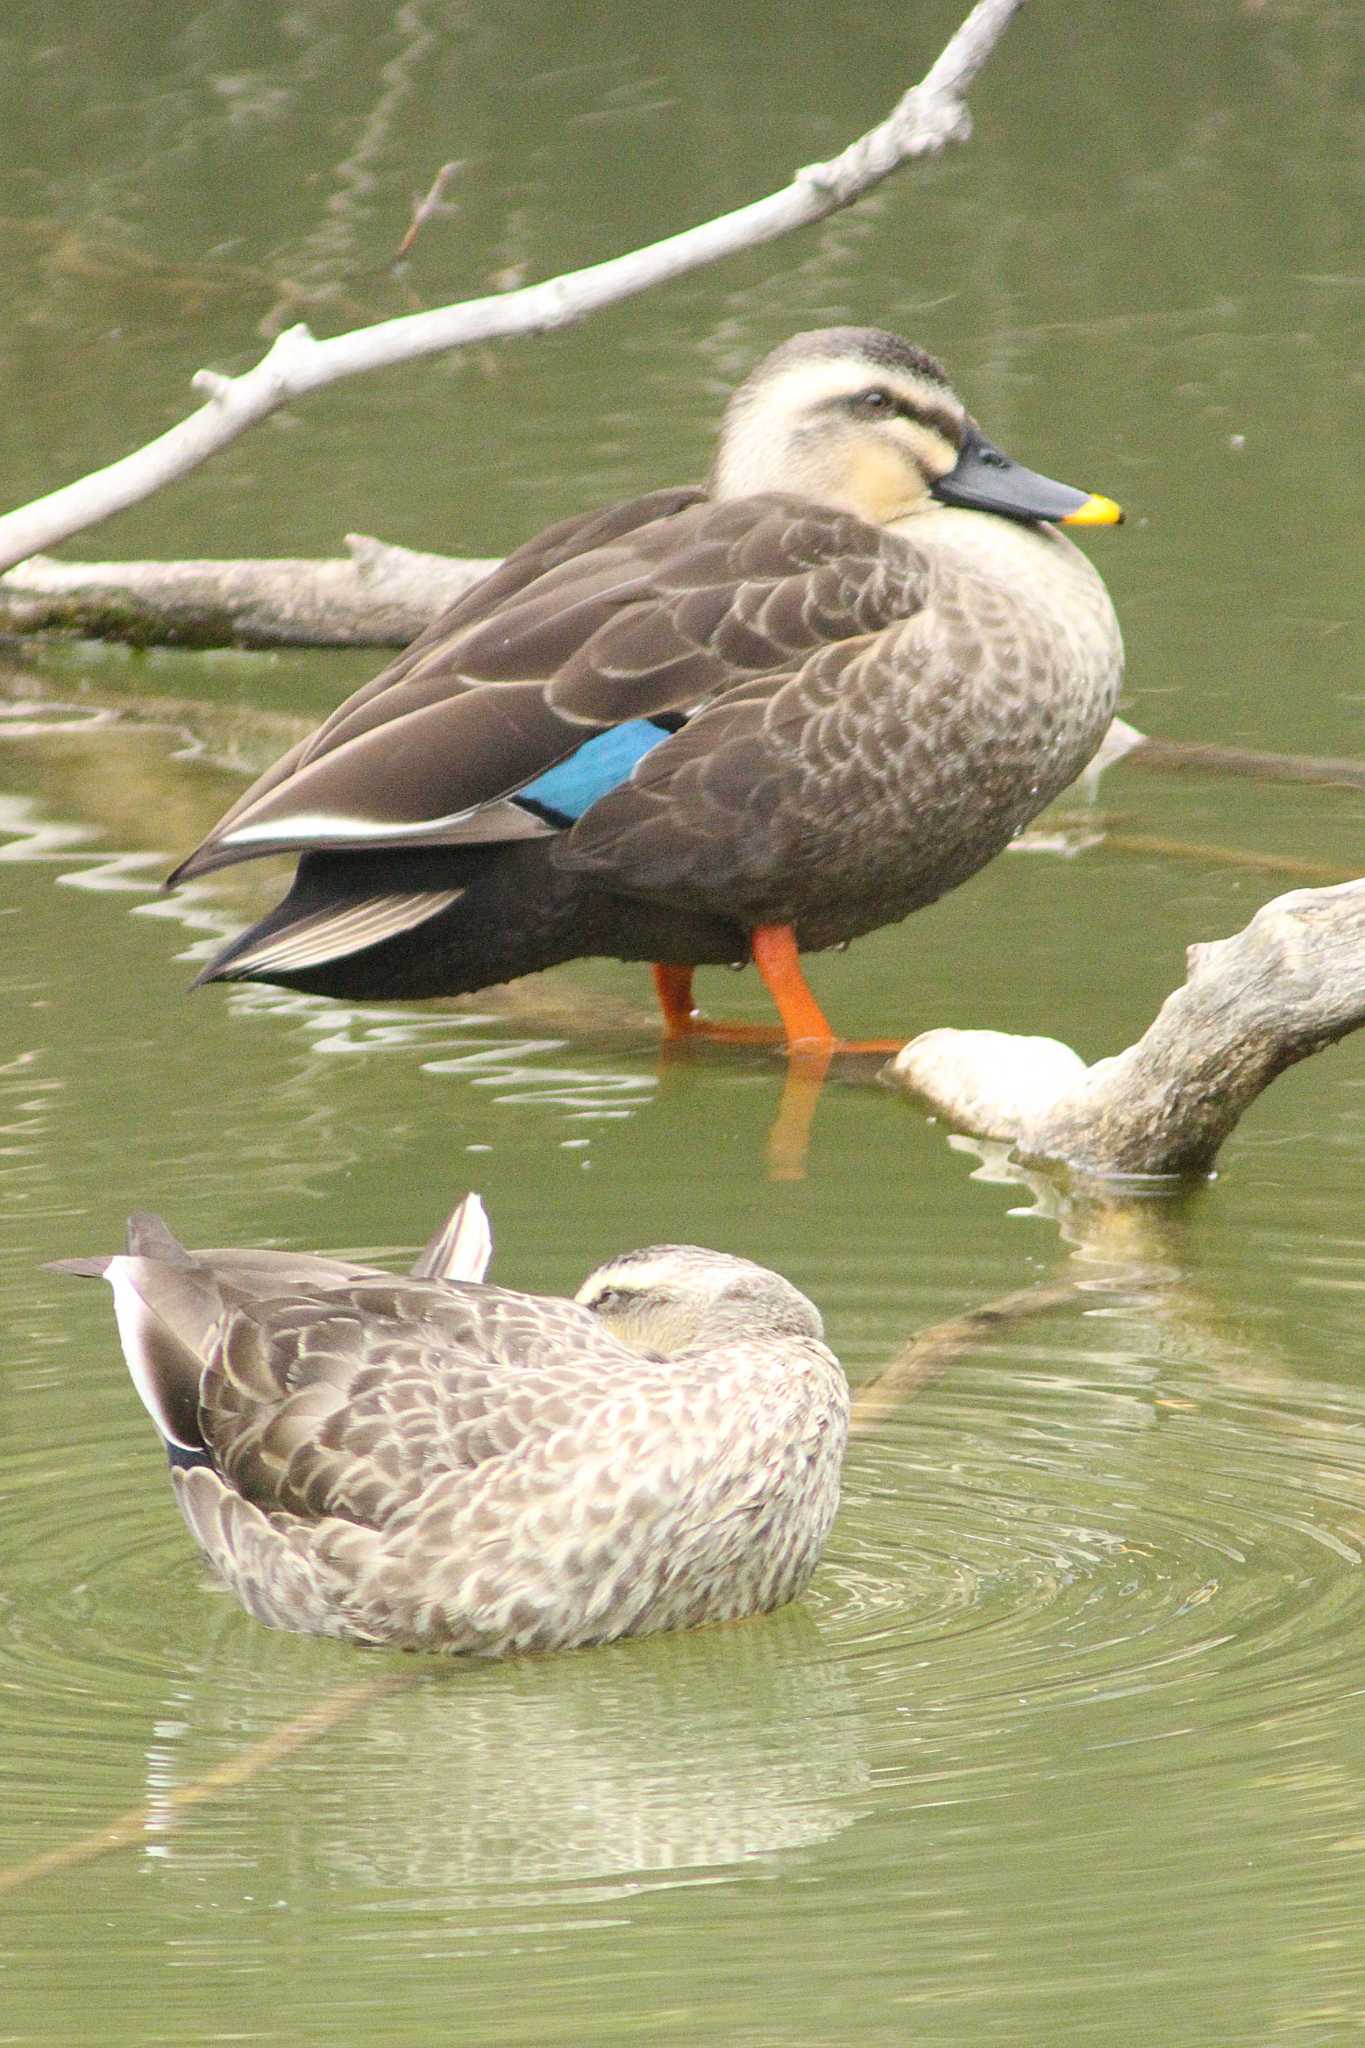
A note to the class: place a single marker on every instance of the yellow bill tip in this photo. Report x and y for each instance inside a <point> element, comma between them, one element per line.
<point>1096,511</point>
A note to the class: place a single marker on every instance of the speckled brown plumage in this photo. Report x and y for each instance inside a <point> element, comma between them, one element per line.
<point>449,1466</point>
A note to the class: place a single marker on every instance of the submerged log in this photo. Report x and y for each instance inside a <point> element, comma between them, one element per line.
<point>1290,983</point>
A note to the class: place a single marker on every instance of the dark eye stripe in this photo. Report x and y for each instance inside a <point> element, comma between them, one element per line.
<point>937,418</point>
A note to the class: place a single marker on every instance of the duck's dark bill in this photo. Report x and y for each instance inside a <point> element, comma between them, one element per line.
<point>985,480</point>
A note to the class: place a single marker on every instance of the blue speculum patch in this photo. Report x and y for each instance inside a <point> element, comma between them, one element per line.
<point>568,789</point>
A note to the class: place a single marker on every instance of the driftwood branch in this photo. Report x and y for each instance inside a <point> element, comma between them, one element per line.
<point>1192,757</point>
<point>927,118</point>
<point>1291,983</point>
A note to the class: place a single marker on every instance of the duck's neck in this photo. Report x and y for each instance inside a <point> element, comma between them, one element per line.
<point>1030,566</point>
<point>986,541</point>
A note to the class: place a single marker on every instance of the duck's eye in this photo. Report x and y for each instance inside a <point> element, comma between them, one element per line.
<point>610,1300</point>
<point>875,401</point>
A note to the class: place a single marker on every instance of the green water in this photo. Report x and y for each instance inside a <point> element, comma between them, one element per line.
<point>1066,1744</point>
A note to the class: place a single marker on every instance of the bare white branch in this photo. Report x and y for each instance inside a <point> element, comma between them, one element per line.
<point>924,121</point>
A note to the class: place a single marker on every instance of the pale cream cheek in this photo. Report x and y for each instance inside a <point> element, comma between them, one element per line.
<point>865,472</point>
<point>890,470</point>
<point>882,483</point>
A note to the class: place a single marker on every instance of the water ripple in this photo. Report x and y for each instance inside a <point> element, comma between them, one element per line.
<point>1211,1555</point>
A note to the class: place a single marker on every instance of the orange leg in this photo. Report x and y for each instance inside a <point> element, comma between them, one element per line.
<point>673,986</point>
<point>777,960</point>
<point>804,1026</point>
<point>803,1029</point>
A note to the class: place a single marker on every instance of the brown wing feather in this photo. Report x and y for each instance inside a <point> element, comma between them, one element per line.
<point>657,606</point>
<point>418,770</point>
<point>564,543</point>
<point>425,672</point>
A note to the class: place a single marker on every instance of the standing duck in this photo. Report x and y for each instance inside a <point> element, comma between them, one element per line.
<point>435,1464</point>
<point>753,720</point>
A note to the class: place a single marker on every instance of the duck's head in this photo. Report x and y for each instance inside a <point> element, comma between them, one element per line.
<point>857,418</point>
<point>671,1297</point>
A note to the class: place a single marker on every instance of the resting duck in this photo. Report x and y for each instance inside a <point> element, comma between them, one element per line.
<point>435,1464</point>
<point>706,725</point>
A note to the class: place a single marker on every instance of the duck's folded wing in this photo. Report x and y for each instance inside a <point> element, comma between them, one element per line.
<point>429,652</point>
<point>353,1402</point>
<point>618,624</point>
<point>384,790</point>
<point>173,1306</point>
